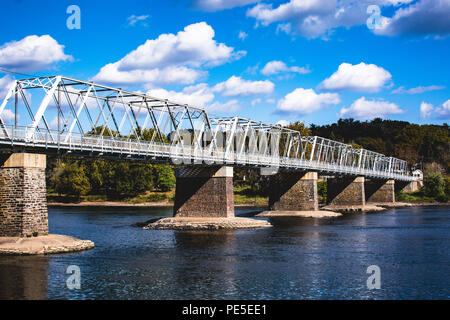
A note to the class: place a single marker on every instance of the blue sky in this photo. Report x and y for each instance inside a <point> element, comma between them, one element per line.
<point>313,61</point>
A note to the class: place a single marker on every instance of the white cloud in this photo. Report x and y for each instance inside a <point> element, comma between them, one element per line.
<point>275,67</point>
<point>417,90</point>
<point>242,35</point>
<point>283,123</point>
<point>424,17</point>
<point>285,27</point>
<point>305,101</point>
<point>8,115</point>
<point>319,18</point>
<point>217,5</point>
<point>441,112</point>
<point>198,95</point>
<point>235,86</point>
<point>227,107</point>
<point>363,109</point>
<point>256,101</point>
<point>169,75</point>
<point>5,84</point>
<point>309,16</point>
<point>32,53</point>
<point>170,58</point>
<point>134,20</point>
<point>360,77</point>
<point>425,110</point>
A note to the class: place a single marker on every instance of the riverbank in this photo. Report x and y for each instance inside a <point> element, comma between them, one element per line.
<point>238,205</point>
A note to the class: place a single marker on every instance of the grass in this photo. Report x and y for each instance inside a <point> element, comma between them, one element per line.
<point>413,197</point>
<point>245,195</point>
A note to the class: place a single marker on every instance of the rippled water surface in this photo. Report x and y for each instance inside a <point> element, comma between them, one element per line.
<point>296,259</point>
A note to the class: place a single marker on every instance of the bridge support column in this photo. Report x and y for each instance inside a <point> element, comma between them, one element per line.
<point>23,202</point>
<point>380,191</point>
<point>293,191</point>
<point>204,192</point>
<point>408,186</point>
<point>346,192</point>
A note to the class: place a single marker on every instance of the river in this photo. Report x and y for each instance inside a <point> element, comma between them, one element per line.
<point>296,259</point>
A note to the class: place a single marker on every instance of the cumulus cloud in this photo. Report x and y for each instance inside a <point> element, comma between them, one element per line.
<point>319,18</point>
<point>226,107</point>
<point>424,17</point>
<point>360,77</point>
<point>217,5</point>
<point>236,86</point>
<point>363,109</point>
<point>416,90</point>
<point>275,67</point>
<point>32,53</point>
<point>305,101</point>
<point>198,95</point>
<point>428,110</point>
<point>171,58</point>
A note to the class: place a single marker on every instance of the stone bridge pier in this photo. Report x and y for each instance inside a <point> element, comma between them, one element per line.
<point>380,191</point>
<point>23,209</point>
<point>293,191</point>
<point>204,192</point>
<point>346,192</point>
<point>23,202</point>
<point>204,200</point>
<point>294,194</point>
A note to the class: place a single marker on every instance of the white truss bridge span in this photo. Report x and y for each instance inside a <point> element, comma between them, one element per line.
<point>60,115</point>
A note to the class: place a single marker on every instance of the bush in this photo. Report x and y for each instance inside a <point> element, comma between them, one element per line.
<point>322,190</point>
<point>434,185</point>
<point>155,197</point>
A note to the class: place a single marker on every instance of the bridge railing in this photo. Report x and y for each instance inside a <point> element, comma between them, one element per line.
<point>178,154</point>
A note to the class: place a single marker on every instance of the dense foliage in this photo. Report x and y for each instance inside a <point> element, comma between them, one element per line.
<point>418,144</point>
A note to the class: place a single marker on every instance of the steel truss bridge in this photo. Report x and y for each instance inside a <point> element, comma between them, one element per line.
<point>60,115</point>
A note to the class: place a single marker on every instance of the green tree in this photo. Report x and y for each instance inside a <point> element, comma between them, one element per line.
<point>166,178</point>
<point>73,180</point>
<point>434,186</point>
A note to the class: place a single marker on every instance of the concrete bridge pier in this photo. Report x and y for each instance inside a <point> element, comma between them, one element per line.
<point>380,191</point>
<point>204,200</point>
